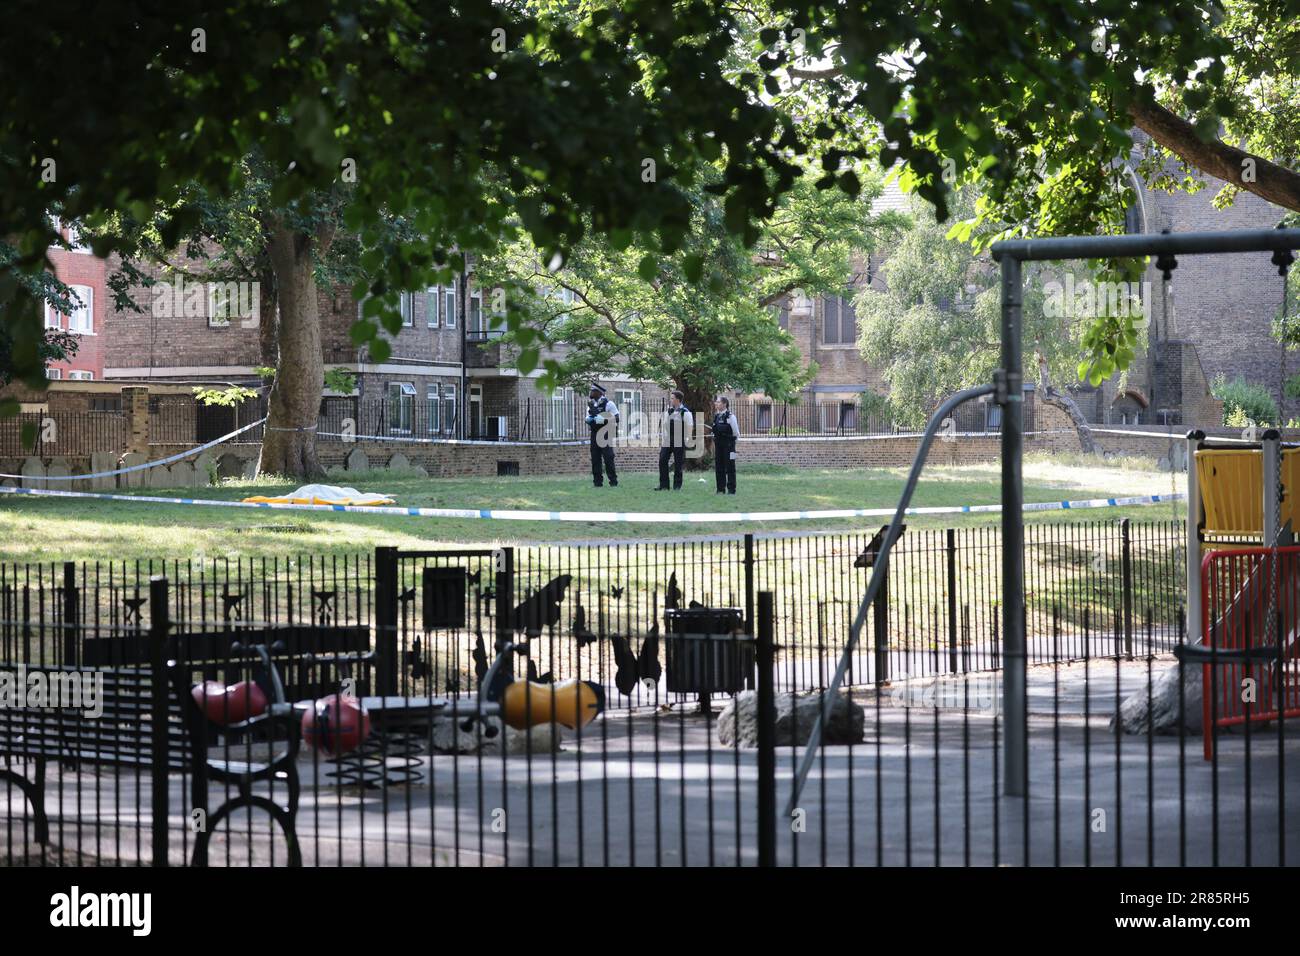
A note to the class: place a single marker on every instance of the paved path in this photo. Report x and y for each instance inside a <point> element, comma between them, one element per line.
<point>644,787</point>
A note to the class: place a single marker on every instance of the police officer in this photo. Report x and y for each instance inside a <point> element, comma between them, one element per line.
<point>602,419</point>
<point>725,430</point>
<point>676,424</point>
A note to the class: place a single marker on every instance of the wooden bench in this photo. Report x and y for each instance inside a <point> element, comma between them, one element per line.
<point>122,735</point>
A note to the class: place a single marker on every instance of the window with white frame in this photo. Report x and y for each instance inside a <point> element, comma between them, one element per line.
<point>407,305</point>
<point>474,320</point>
<point>433,308</point>
<point>449,409</point>
<point>52,318</point>
<point>629,412</point>
<point>54,373</point>
<point>82,318</point>
<point>449,306</point>
<point>76,241</point>
<point>401,403</point>
<point>561,414</point>
<point>81,376</point>
<point>434,409</point>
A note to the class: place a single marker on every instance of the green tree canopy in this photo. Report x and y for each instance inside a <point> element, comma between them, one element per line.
<point>702,318</point>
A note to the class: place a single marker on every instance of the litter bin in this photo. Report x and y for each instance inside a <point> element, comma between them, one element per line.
<point>707,651</point>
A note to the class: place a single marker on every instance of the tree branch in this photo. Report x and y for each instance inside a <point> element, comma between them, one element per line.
<point>1275,183</point>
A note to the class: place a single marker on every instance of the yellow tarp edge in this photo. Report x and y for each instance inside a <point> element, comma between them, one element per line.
<point>262,500</point>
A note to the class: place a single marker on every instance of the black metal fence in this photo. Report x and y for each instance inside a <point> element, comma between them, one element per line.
<point>61,434</point>
<point>180,420</point>
<point>671,636</point>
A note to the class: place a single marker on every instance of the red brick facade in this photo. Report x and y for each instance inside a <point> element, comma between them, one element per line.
<point>87,275</point>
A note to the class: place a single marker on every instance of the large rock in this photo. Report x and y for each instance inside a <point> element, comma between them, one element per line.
<point>795,716</point>
<point>1160,708</point>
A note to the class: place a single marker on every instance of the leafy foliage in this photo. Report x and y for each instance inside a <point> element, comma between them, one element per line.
<point>599,118</point>
<point>701,318</point>
<point>934,327</point>
<point>1244,403</point>
<point>227,397</point>
<point>340,380</point>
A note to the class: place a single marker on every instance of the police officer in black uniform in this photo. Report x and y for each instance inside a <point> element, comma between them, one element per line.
<point>602,419</point>
<point>725,430</point>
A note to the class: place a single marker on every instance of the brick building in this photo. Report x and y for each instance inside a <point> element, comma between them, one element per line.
<point>87,276</point>
<point>447,375</point>
<point>1214,317</point>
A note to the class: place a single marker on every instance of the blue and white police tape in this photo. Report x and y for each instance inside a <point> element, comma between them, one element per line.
<point>146,465</point>
<point>349,438</point>
<point>630,517</point>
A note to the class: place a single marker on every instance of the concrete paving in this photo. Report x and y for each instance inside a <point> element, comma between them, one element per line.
<point>648,787</point>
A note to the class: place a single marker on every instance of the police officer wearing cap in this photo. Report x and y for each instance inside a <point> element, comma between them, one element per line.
<point>602,419</point>
<point>725,430</point>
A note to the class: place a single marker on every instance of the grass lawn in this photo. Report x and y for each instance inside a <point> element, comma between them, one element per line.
<point>33,529</point>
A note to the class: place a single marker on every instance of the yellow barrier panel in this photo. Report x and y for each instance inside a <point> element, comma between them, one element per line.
<point>1232,489</point>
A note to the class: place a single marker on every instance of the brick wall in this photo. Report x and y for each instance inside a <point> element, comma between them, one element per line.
<point>473,459</point>
<point>83,269</point>
<point>146,340</point>
<point>1224,304</point>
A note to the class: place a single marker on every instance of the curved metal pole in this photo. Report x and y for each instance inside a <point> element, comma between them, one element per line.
<point>877,576</point>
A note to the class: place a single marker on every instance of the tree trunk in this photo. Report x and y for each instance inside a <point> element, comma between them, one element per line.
<point>1062,400</point>
<point>289,447</point>
<point>268,318</point>
<point>699,397</point>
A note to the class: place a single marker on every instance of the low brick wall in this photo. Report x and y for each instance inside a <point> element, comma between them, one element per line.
<point>487,459</point>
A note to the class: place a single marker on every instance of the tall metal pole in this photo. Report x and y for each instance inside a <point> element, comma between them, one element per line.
<point>1193,614</point>
<point>765,659</point>
<point>1011,397</point>
<point>159,627</point>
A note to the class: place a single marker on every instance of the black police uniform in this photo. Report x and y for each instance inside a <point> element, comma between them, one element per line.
<point>602,442</point>
<point>724,445</point>
<point>676,423</point>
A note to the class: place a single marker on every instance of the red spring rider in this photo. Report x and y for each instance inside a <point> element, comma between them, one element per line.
<point>335,725</point>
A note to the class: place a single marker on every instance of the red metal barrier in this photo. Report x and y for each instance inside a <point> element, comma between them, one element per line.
<point>1238,587</point>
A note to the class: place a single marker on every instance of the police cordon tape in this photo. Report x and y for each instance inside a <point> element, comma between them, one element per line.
<point>146,465</point>
<point>630,517</point>
<point>348,438</point>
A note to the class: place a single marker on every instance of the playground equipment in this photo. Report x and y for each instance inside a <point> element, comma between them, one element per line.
<point>335,725</point>
<point>1243,578</point>
<point>1007,391</point>
<point>523,704</point>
